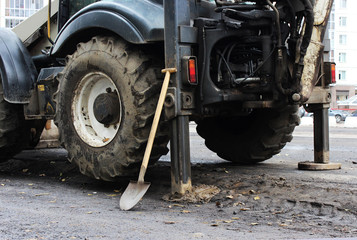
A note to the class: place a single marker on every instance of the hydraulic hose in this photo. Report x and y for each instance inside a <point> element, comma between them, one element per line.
<point>308,30</point>
<point>303,48</point>
<point>49,22</point>
<point>224,3</point>
<point>280,66</point>
<point>309,19</point>
<point>277,22</point>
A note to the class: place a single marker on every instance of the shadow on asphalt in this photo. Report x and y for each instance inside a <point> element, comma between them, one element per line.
<point>44,165</point>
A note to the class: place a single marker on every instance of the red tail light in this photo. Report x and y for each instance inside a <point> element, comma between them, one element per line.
<point>333,73</point>
<point>192,71</point>
<point>189,70</point>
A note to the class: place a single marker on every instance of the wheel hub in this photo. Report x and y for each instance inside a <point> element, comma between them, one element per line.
<point>105,108</point>
<point>96,109</point>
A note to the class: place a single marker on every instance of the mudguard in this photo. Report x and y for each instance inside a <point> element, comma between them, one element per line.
<point>18,72</point>
<point>138,22</point>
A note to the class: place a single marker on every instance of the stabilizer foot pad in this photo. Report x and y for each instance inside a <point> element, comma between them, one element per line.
<point>312,166</point>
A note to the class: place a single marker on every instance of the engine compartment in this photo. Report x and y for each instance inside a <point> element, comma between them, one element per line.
<point>254,52</point>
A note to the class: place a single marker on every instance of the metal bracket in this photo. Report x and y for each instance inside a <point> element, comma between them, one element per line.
<point>41,105</point>
<point>187,34</point>
<point>170,104</point>
<point>171,109</point>
<point>320,95</point>
<point>187,101</point>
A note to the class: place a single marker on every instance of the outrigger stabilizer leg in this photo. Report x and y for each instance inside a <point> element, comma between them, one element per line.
<point>321,140</point>
<point>177,16</point>
<point>319,101</point>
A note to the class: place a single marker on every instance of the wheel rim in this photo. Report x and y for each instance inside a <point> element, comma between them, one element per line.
<point>89,129</point>
<point>338,118</point>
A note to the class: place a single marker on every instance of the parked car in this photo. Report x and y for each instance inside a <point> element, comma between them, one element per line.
<point>302,112</point>
<point>354,113</point>
<point>340,115</point>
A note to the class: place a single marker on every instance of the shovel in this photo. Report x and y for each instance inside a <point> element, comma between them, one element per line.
<point>136,190</point>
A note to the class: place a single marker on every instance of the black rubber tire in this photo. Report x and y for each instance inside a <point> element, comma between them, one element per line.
<point>16,134</point>
<point>250,139</point>
<point>138,82</point>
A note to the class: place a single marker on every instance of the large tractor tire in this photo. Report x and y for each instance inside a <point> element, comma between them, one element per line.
<point>106,101</point>
<point>16,134</point>
<point>250,139</point>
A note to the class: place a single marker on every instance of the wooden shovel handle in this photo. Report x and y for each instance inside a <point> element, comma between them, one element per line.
<point>155,123</point>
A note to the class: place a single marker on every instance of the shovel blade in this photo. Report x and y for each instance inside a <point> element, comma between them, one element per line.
<point>132,194</point>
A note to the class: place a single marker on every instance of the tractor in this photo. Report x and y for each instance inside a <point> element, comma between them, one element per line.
<point>242,69</point>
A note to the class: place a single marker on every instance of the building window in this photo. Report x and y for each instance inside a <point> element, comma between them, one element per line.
<point>343,21</point>
<point>332,35</point>
<point>342,95</point>
<point>332,25</point>
<point>343,39</point>
<point>18,10</point>
<point>342,57</point>
<point>343,3</point>
<point>342,75</point>
<point>10,23</point>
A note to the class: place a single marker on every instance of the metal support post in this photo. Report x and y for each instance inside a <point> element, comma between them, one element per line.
<point>321,134</point>
<point>321,140</point>
<point>177,14</point>
<point>180,156</point>
<point>319,101</point>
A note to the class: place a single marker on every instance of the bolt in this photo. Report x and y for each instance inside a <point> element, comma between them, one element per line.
<point>296,97</point>
<point>169,100</point>
<point>188,99</point>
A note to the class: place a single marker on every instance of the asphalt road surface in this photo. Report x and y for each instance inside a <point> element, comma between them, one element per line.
<point>42,196</point>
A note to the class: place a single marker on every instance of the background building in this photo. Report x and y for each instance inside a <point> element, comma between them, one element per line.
<point>343,37</point>
<point>12,12</point>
